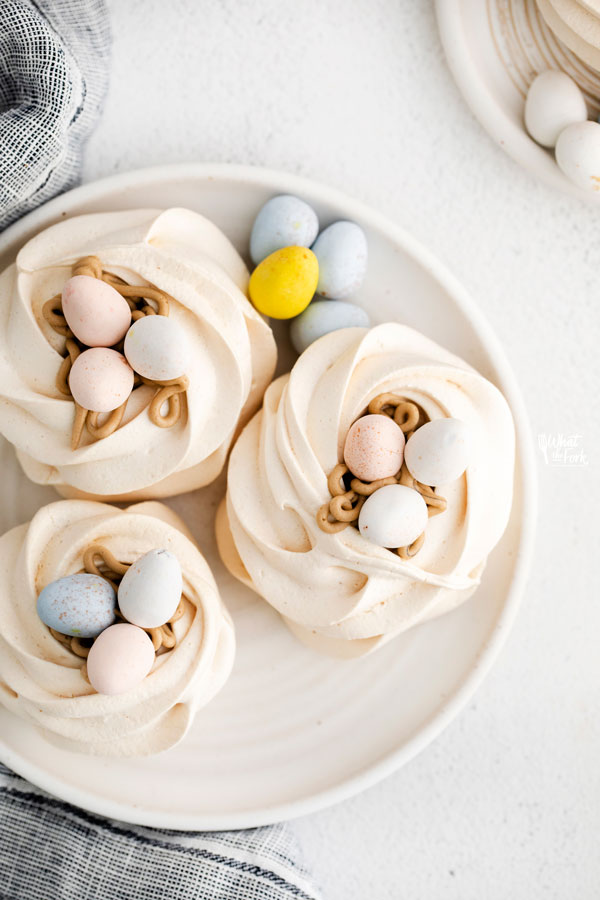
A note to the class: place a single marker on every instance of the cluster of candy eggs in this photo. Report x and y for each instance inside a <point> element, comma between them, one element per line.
<point>101,378</point>
<point>556,117</point>
<point>305,275</point>
<point>437,453</point>
<point>84,606</point>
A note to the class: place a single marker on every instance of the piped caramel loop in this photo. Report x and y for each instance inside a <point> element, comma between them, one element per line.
<point>326,524</point>
<point>407,416</point>
<point>88,265</point>
<point>344,507</point>
<point>142,313</point>
<point>335,481</point>
<point>169,393</point>
<point>435,503</point>
<point>72,643</point>
<point>79,648</point>
<point>109,426</point>
<point>53,314</point>
<point>404,412</point>
<point>107,559</point>
<point>155,635</point>
<point>142,292</point>
<point>168,636</point>
<point>384,404</point>
<point>62,379</point>
<point>81,415</point>
<point>366,488</point>
<point>412,549</point>
<point>61,638</point>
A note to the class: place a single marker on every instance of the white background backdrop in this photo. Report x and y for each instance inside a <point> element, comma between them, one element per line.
<point>356,93</point>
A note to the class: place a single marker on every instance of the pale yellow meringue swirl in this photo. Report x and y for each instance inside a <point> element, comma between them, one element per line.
<point>340,592</point>
<point>233,355</point>
<point>42,681</point>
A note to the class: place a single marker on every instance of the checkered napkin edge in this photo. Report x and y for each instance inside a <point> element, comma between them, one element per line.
<point>54,62</point>
<point>50,850</point>
<point>54,58</point>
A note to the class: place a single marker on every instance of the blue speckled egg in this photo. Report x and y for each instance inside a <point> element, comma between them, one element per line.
<point>78,605</point>
<point>323,316</point>
<point>284,221</point>
<point>341,251</point>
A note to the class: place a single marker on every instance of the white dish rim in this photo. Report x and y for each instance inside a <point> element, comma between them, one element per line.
<point>491,116</point>
<point>391,762</point>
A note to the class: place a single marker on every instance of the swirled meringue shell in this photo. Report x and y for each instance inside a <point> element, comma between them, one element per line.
<point>340,592</point>
<point>42,681</point>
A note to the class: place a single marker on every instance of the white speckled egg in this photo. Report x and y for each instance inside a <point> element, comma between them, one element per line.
<point>119,659</point>
<point>578,154</point>
<point>393,516</point>
<point>151,588</point>
<point>95,312</point>
<point>553,102</point>
<point>100,379</point>
<point>79,605</point>
<point>284,221</point>
<point>438,452</point>
<point>374,447</point>
<point>157,347</point>
<point>323,316</point>
<point>341,251</point>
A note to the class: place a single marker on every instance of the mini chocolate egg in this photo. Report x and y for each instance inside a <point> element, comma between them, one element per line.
<point>150,590</point>
<point>157,348</point>
<point>393,516</point>
<point>322,316</point>
<point>438,452</point>
<point>342,253</point>
<point>578,154</point>
<point>553,102</point>
<point>374,448</point>
<point>119,659</point>
<point>79,605</point>
<point>284,221</point>
<point>101,379</point>
<point>95,312</point>
<point>284,283</point>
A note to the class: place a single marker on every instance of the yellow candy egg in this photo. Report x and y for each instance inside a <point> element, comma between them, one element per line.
<point>285,282</point>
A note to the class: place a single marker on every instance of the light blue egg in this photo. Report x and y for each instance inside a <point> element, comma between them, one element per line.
<point>323,316</point>
<point>284,221</point>
<point>78,605</point>
<point>341,250</point>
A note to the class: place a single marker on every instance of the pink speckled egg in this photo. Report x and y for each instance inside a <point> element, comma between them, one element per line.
<point>95,312</point>
<point>101,379</point>
<point>119,659</point>
<point>374,448</point>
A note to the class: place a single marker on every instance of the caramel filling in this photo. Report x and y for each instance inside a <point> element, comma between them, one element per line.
<point>98,560</point>
<point>140,300</point>
<point>346,501</point>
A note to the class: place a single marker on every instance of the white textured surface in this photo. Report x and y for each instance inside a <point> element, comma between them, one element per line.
<point>356,93</point>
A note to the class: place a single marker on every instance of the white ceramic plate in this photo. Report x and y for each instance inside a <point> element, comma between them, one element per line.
<point>495,48</point>
<point>292,731</point>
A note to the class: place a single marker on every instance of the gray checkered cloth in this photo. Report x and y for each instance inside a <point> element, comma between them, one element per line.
<point>52,851</point>
<point>53,73</point>
<point>54,58</point>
